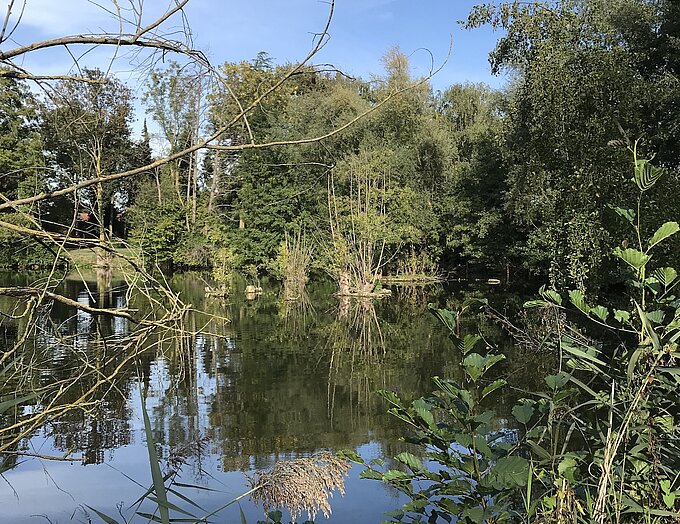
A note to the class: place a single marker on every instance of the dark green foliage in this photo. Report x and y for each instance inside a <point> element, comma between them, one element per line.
<point>585,71</point>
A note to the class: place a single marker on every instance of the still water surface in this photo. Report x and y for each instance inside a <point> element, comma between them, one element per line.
<point>279,381</point>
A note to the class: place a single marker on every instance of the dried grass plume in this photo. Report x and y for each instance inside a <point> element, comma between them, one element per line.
<point>303,484</point>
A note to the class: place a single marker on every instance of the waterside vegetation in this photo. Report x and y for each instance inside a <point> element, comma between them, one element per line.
<point>570,173</point>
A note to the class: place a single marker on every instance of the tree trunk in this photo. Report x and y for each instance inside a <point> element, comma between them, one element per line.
<point>102,259</point>
<point>214,183</point>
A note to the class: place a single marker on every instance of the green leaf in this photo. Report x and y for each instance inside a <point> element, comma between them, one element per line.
<point>468,343</point>
<point>646,174</point>
<point>669,500</point>
<point>567,468</point>
<point>577,298</point>
<point>529,304</point>
<point>395,475</point>
<point>351,455</point>
<point>555,382</point>
<point>539,451</point>
<point>424,411</point>
<point>154,463</point>
<point>632,363</point>
<point>493,387</point>
<point>410,460</point>
<point>371,474</point>
<point>600,312</point>
<point>665,231</point>
<point>512,471</point>
<point>474,365</point>
<point>243,515</point>
<point>622,316</point>
<point>579,353</point>
<point>656,316</point>
<point>634,258</point>
<point>474,514</point>
<point>665,275</point>
<point>627,214</point>
<point>391,397</point>
<point>523,412</point>
<point>647,327</point>
<point>446,317</point>
<point>551,295</point>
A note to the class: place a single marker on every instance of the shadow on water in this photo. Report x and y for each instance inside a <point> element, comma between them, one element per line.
<point>247,383</point>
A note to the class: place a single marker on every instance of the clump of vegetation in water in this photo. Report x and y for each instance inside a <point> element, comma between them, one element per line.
<point>293,263</point>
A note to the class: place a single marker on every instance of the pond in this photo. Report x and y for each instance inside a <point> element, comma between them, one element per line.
<point>275,381</point>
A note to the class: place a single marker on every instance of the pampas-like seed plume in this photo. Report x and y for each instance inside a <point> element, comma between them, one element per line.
<point>303,484</point>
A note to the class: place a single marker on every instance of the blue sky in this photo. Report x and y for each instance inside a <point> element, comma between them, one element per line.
<point>361,32</point>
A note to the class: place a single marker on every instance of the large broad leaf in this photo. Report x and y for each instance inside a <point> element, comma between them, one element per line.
<point>510,472</point>
<point>551,295</point>
<point>665,275</point>
<point>622,316</point>
<point>446,317</point>
<point>579,301</point>
<point>474,364</point>
<point>634,258</point>
<point>493,387</point>
<point>424,411</point>
<point>352,455</point>
<point>523,412</point>
<point>646,174</point>
<point>555,382</point>
<point>468,343</point>
<point>568,468</point>
<point>665,231</point>
<point>396,475</point>
<point>410,460</point>
<point>600,312</point>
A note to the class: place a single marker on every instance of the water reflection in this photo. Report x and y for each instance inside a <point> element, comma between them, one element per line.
<point>279,380</point>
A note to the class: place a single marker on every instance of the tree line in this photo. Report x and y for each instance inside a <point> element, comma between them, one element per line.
<point>426,182</point>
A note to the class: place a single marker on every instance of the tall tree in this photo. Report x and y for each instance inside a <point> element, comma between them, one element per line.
<point>86,125</point>
<point>585,70</point>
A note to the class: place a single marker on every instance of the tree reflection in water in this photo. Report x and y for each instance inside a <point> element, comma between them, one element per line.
<point>279,380</point>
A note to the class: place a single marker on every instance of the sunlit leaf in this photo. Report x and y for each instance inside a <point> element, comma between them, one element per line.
<point>646,174</point>
<point>410,460</point>
<point>634,258</point>
<point>600,312</point>
<point>579,301</point>
<point>665,275</point>
<point>622,316</point>
<point>665,231</point>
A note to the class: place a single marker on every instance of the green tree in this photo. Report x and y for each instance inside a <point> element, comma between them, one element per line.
<point>583,74</point>
<point>86,128</point>
<point>22,171</point>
